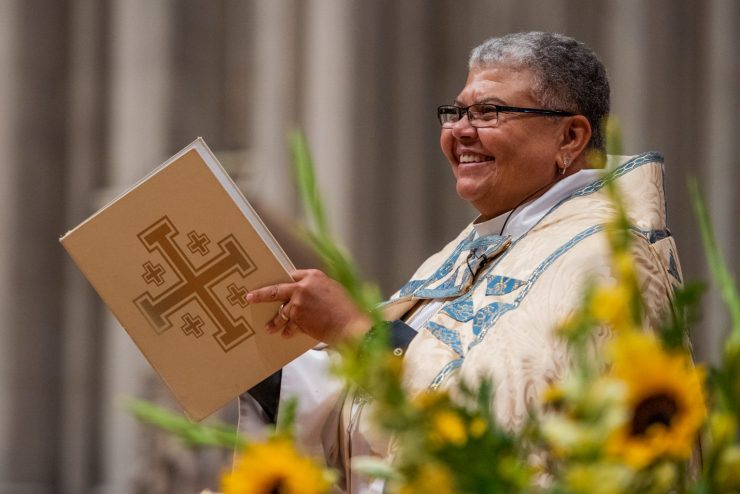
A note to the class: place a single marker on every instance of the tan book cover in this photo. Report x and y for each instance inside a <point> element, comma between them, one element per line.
<point>173,259</point>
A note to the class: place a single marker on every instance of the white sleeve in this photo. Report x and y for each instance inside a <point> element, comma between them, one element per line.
<point>308,379</point>
<point>318,391</point>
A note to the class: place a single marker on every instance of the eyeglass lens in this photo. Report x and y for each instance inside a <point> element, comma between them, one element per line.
<point>478,115</point>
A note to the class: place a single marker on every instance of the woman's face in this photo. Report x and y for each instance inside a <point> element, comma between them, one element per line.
<point>498,168</point>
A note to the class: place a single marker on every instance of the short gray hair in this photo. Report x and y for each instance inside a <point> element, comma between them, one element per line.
<point>567,74</point>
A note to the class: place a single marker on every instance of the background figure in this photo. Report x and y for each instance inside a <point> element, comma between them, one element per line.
<point>93,93</point>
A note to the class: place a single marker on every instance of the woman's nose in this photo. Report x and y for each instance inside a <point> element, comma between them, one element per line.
<point>463,130</point>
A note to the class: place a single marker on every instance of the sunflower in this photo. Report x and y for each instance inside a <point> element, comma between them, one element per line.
<point>665,400</point>
<point>274,467</point>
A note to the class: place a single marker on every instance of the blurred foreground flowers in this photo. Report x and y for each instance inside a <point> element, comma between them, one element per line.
<point>638,416</point>
<point>271,466</point>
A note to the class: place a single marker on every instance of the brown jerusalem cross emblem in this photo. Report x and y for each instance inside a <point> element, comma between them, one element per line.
<point>195,285</point>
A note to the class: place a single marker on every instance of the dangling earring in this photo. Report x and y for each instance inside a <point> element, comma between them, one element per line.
<point>566,163</point>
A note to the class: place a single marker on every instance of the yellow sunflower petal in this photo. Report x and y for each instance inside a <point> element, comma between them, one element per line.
<point>610,304</point>
<point>448,427</point>
<point>433,477</point>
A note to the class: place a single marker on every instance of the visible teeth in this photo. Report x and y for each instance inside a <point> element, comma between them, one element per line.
<point>473,158</point>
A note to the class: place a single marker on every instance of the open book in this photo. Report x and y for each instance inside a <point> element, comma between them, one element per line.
<point>173,259</point>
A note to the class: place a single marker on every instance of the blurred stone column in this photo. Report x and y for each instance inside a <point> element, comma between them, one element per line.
<point>32,148</point>
<point>140,77</point>
<point>329,105</point>
<point>408,179</point>
<point>275,106</point>
<point>722,152</point>
<point>626,54</point>
<point>81,349</point>
<point>8,24</point>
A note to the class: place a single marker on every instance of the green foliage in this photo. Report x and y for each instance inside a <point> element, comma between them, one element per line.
<point>192,434</point>
<point>286,418</point>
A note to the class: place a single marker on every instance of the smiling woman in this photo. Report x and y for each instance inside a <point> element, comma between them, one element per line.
<point>524,143</point>
<point>522,148</point>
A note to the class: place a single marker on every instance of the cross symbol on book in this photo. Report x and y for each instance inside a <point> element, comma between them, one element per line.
<point>153,273</point>
<point>237,295</point>
<point>198,243</point>
<point>192,325</point>
<point>195,284</point>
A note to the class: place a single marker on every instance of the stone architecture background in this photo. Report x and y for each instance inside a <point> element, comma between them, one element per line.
<point>94,93</point>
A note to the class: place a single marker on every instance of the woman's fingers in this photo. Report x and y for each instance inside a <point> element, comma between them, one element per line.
<point>300,274</point>
<point>270,293</point>
<point>281,319</point>
<point>279,325</point>
<point>288,331</point>
<point>313,304</point>
<point>281,291</point>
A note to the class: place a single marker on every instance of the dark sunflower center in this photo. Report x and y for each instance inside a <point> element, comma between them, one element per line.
<point>656,409</point>
<point>276,488</point>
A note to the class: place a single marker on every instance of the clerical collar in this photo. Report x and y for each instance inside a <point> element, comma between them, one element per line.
<point>520,220</point>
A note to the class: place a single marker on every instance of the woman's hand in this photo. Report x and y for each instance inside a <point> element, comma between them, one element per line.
<point>316,305</point>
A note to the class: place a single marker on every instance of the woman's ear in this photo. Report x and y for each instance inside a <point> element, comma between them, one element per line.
<point>576,134</point>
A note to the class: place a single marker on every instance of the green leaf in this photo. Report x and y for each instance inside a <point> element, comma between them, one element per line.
<point>307,185</point>
<point>717,265</point>
<point>613,133</point>
<point>191,433</point>
<point>286,417</point>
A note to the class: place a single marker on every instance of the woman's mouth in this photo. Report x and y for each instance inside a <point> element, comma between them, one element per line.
<point>466,158</point>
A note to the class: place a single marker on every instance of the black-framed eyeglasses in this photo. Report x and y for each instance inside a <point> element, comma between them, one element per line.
<point>486,114</point>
